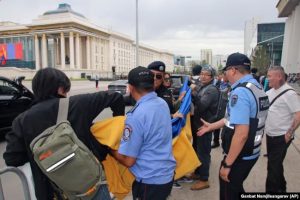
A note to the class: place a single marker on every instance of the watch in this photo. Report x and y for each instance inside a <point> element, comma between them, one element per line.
<point>225,165</point>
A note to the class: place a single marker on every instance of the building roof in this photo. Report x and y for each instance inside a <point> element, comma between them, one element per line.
<point>63,8</point>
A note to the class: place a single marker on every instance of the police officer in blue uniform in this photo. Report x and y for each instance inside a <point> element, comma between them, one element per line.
<point>146,145</point>
<point>158,68</point>
<point>242,126</point>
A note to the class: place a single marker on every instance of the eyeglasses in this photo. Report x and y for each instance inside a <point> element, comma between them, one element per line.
<point>158,76</point>
<point>205,74</point>
<point>167,80</point>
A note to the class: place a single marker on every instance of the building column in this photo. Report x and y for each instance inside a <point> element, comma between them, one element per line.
<point>37,52</point>
<point>78,58</point>
<point>62,51</point>
<point>71,44</point>
<point>44,51</point>
<point>93,53</point>
<point>88,53</point>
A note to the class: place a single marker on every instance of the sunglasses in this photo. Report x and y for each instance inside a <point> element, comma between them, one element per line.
<point>167,79</point>
<point>158,76</point>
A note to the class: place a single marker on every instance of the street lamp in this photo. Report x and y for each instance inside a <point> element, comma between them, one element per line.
<point>137,36</point>
<point>270,45</point>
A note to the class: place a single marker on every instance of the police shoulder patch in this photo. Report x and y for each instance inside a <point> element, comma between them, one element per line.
<point>234,99</point>
<point>127,132</point>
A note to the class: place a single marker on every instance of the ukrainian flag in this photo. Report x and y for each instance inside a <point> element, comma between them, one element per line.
<point>110,131</point>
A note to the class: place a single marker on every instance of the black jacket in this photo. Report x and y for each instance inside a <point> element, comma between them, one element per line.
<point>205,99</point>
<point>82,111</point>
<point>166,95</point>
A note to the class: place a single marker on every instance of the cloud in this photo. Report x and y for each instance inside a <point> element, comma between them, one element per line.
<point>180,26</point>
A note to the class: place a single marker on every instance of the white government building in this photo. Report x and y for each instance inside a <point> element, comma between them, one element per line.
<point>66,40</point>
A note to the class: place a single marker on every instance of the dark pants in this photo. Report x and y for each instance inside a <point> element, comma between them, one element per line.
<point>102,193</point>
<point>203,153</point>
<point>143,191</point>
<point>237,175</point>
<point>217,136</point>
<point>97,83</point>
<point>276,150</point>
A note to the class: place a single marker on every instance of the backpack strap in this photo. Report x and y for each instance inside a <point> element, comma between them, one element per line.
<point>284,91</point>
<point>63,108</point>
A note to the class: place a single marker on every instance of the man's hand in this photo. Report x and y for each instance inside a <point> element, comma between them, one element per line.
<point>224,172</point>
<point>193,86</point>
<point>177,115</point>
<point>288,137</point>
<point>206,127</point>
<point>181,96</point>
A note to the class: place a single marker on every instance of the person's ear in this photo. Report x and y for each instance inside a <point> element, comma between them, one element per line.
<point>131,88</point>
<point>61,92</point>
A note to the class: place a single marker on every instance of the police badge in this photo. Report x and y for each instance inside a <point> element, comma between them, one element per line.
<point>161,68</point>
<point>127,132</point>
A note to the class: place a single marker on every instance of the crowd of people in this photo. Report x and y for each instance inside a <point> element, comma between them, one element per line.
<point>231,104</point>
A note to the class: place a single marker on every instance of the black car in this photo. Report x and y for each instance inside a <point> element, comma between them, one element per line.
<point>15,98</point>
<point>177,82</point>
<point>121,86</point>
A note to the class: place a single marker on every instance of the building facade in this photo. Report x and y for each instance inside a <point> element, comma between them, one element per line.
<point>206,56</point>
<point>291,43</point>
<point>270,36</point>
<point>250,35</point>
<point>66,40</point>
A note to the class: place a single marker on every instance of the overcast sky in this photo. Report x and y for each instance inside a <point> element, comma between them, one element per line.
<point>180,26</point>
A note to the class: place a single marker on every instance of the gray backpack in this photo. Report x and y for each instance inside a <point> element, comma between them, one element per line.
<point>65,160</point>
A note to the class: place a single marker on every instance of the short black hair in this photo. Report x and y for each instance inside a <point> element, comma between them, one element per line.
<point>196,70</point>
<point>46,82</point>
<point>254,70</point>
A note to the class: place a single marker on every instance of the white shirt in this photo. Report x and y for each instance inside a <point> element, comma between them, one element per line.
<point>281,113</point>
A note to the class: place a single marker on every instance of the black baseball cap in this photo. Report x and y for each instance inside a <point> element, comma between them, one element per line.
<point>157,66</point>
<point>141,77</point>
<point>237,59</point>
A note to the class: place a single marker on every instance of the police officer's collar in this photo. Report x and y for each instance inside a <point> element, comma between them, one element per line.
<point>146,97</point>
<point>241,80</point>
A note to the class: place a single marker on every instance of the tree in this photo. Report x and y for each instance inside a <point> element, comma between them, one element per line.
<point>203,62</point>
<point>261,60</point>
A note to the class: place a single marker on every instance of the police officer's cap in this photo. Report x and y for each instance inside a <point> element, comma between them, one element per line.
<point>157,66</point>
<point>141,77</point>
<point>237,59</point>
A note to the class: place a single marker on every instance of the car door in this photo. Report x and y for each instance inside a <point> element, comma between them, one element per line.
<point>12,103</point>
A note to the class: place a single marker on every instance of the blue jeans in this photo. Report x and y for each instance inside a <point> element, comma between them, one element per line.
<point>102,193</point>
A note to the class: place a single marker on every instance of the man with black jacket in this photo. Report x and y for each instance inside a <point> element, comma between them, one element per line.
<point>48,86</point>
<point>158,68</point>
<point>205,99</point>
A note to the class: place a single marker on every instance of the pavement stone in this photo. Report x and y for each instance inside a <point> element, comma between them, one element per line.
<point>255,181</point>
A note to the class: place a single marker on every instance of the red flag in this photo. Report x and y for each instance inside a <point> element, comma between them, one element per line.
<point>19,50</point>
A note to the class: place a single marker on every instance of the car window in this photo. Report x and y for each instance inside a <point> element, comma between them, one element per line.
<point>7,90</point>
<point>176,81</point>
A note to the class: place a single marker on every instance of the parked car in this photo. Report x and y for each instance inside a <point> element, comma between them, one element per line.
<point>15,98</point>
<point>177,82</point>
<point>121,86</point>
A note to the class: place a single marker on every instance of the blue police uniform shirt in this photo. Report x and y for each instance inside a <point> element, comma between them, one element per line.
<point>242,104</point>
<point>148,138</point>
